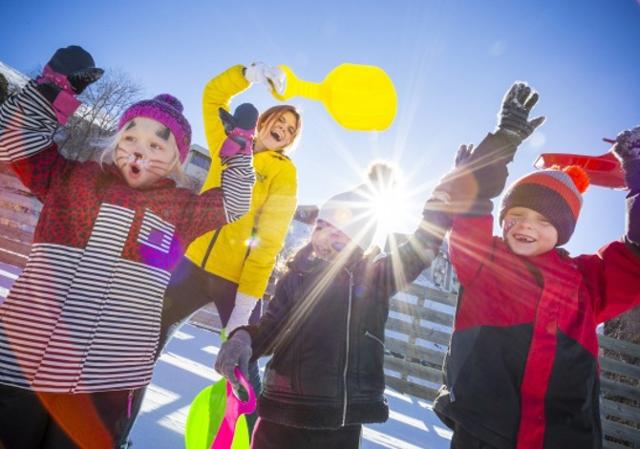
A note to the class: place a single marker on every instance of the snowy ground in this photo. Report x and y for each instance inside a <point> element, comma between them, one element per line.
<point>186,367</point>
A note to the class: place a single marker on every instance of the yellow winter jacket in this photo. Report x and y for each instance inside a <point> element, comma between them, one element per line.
<point>245,251</point>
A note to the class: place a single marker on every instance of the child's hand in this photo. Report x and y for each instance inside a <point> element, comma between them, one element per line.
<point>71,68</point>
<point>234,352</point>
<point>516,107</point>
<point>240,129</point>
<point>69,71</point>
<point>259,72</point>
<point>627,150</point>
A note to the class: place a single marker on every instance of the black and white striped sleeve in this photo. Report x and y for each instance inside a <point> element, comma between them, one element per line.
<point>237,185</point>
<point>27,125</point>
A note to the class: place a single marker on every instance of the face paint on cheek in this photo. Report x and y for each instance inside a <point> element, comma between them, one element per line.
<point>509,223</point>
<point>164,133</point>
<point>338,246</point>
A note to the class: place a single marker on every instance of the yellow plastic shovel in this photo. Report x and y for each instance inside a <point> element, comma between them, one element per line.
<point>358,97</point>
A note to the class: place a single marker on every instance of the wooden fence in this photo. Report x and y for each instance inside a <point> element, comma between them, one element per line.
<point>620,393</point>
<point>19,211</point>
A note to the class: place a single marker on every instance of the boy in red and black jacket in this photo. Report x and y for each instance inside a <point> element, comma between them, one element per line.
<point>522,368</point>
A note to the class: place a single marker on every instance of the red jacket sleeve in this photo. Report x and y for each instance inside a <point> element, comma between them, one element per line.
<point>27,126</point>
<point>470,244</point>
<point>200,213</point>
<point>613,279</point>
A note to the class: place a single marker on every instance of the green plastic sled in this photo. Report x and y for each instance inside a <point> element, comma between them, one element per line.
<point>205,416</point>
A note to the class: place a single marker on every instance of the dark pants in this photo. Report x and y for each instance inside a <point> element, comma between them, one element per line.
<point>464,440</point>
<point>269,435</point>
<point>190,289</point>
<point>30,420</point>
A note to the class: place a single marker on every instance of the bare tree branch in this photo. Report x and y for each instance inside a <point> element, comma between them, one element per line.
<point>103,103</point>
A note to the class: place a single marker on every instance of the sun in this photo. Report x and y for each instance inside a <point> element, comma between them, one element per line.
<point>390,206</point>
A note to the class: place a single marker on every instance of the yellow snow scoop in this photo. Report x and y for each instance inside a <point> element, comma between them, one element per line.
<point>358,97</point>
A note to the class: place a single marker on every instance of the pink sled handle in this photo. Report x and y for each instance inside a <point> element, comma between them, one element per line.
<point>235,408</point>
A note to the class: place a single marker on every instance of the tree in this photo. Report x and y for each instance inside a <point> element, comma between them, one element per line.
<point>97,118</point>
<point>4,88</point>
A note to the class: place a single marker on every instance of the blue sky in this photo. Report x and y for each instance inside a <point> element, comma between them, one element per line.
<point>451,62</point>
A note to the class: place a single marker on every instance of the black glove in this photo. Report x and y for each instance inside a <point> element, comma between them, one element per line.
<point>479,175</point>
<point>513,116</point>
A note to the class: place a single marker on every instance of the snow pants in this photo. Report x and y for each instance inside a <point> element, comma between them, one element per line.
<point>31,420</point>
<point>190,289</point>
<point>464,440</point>
<point>270,435</point>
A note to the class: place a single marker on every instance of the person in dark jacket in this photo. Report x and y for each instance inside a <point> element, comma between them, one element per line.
<point>522,367</point>
<point>325,329</point>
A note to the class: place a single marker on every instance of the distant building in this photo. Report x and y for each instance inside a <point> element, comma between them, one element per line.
<point>197,164</point>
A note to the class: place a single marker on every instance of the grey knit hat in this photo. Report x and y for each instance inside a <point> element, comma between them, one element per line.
<point>351,213</point>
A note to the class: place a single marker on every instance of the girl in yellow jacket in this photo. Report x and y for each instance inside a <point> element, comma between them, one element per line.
<point>231,266</point>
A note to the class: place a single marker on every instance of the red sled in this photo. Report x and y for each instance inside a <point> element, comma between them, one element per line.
<point>604,170</point>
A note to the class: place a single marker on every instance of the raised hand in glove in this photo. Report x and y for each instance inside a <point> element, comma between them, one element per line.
<point>236,351</point>
<point>627,150</point>
<point>240,129</point>
<point>259,72</point>
<point>69,71</point>
<point>517,104</point>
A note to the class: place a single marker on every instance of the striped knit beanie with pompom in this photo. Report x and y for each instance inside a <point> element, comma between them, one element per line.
<point>554,193</point>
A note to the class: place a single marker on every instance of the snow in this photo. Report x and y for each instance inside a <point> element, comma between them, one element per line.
<point>14,77</point>
<point>186,367</point>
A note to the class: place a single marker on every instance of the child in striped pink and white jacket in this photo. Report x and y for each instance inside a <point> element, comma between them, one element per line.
<point>80,326</point>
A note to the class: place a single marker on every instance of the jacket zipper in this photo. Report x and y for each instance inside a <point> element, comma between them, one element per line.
<point>205,259</point>
<point>370,335</point>
<point>347,344</point>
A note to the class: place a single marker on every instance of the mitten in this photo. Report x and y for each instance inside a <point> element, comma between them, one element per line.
<point>627,150</point>
<point>240,128</point>
<point>69,71</point>
<point>259,72</point>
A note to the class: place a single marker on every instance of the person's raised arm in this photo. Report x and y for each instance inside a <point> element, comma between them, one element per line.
<point>29,119</point>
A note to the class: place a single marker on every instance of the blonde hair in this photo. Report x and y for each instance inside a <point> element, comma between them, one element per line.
<point>268,117</point>
<point>108,156</point>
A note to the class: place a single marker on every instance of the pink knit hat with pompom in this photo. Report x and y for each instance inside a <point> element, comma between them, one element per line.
<point>167,110</point>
